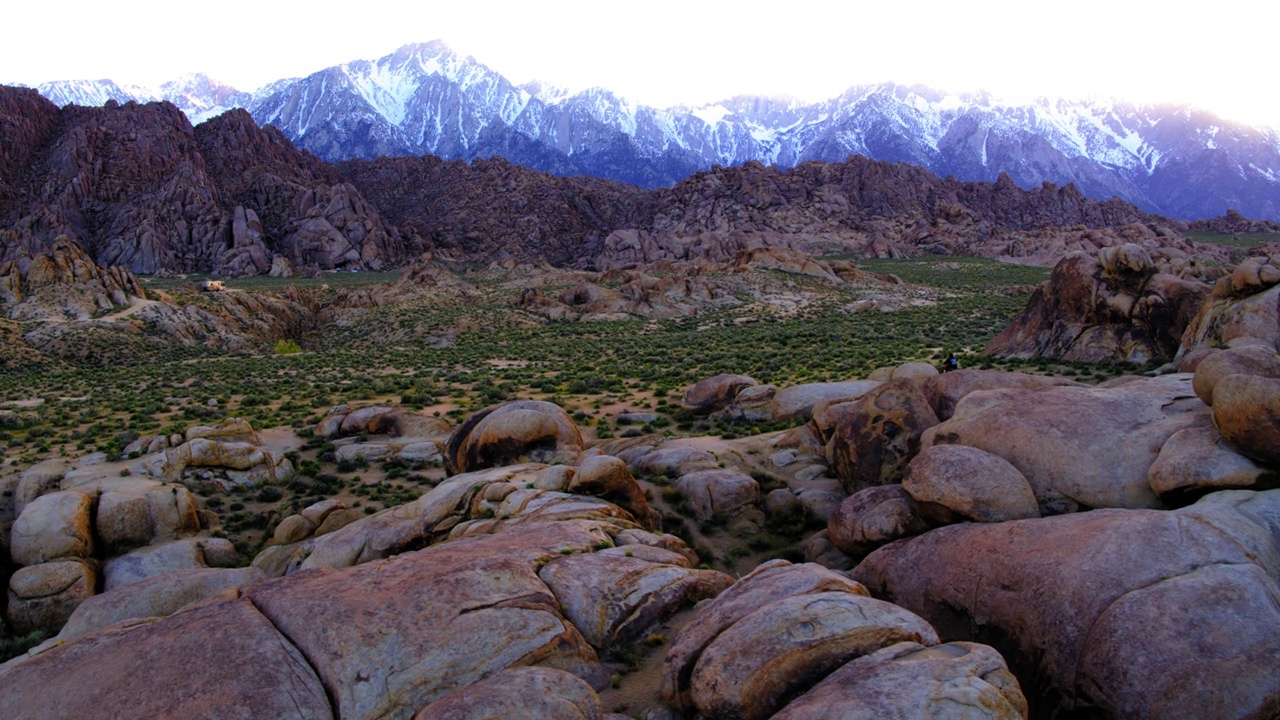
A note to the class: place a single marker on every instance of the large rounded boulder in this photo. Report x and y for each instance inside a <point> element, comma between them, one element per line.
<point>1246,410</point>
<point>1062,438</point>
<point>715,393</point>
<point>1243,360</point>
<point>874,437</point>
<point>957,482</point>
<point>511,433</point>
<point>786,629</point>
<point>1113,612</point>
<point>873,517</point>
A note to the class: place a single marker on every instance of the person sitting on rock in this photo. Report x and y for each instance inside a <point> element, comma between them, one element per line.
<point>951,363</point>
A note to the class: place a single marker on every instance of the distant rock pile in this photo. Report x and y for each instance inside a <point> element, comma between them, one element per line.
<point>1233,223</point>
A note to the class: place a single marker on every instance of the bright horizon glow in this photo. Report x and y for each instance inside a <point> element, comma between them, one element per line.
<point>1214,55</point>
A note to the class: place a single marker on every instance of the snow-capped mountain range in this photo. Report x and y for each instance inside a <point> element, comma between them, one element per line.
<point>425,98</point>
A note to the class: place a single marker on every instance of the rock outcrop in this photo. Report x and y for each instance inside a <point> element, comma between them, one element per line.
<point>715,393</point>
<point>136,186</point>
<point>1244,308</point>
<point>513,432</point>
<point>1057,437</point>
<point>871,439</point>
<point>67,279</point>
<point>1121,305</point>
<point>1123,613</point>
<point>742,656</point>
<point>541,595</point>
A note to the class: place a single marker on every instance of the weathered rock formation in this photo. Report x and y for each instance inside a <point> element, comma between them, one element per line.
<point>73,530</point>
<point>1122,613</point>
<point>528,575</point>
<point>1057,437</point>
<point>136,186</point>
<point>1244,308</point>
<point>513,432</point>
<point>1233,223</point>
<point>715,393</point>
<point>69,279</point>
<point>1120,306</point>
<point>742,657</point>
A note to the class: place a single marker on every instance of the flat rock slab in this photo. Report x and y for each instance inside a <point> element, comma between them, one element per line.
<point>152,560</point>
<point>157,596</point>
<point>387,638</point>
<point>614,599</point>
<point>216,661</point>
<point>532,692</point>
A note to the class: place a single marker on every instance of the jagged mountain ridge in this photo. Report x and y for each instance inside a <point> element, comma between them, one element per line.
<point>426,99</point>
<point>137,186</point>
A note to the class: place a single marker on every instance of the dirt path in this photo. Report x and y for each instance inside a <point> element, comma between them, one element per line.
<point>135,306</point>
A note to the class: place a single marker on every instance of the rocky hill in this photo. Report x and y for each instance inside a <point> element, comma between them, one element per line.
<point>137,186</point>
<point>427,99</point>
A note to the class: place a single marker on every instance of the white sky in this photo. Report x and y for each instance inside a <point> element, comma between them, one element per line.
<point>1217,54</point>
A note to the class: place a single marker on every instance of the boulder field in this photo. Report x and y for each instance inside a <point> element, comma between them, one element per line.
<point>997,545</point>
<point>546,589</point>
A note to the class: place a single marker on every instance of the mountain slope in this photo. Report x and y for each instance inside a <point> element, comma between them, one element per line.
<point>136,186</point>
<point>427,99</point>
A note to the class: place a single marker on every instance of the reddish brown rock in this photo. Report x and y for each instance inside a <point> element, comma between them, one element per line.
<point>1246,410</point>
<point>766,584</point>
<point>798,401</point>
<point>874,437</point>
<point>968,484</point>
<point>1242,309</point>
<point>152,560</point>
<point>156,596</point>
<point>217,660</point>
<point>614,600</point>
<point>53,526</point>
<point>909,680</point>
<point>533,692</point>
<point>518,431</point>
<point>1117,306</point>
<point>730,495</point>
<point>126,520</point>
<point>1244,360</point>
<point>608,478</point>
<point>1197,460</point>
<point>715,393</point>
<point>1056,437</point>
<point>749,670</point>
<point>404,652</point>
<point>874,516</point>
<point>1139,613</point>
<point>42,597</point>
<point>945,390</point>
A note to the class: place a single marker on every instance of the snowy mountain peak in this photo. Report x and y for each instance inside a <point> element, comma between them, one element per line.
<point>426,98</point>
<point>93,93</point>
